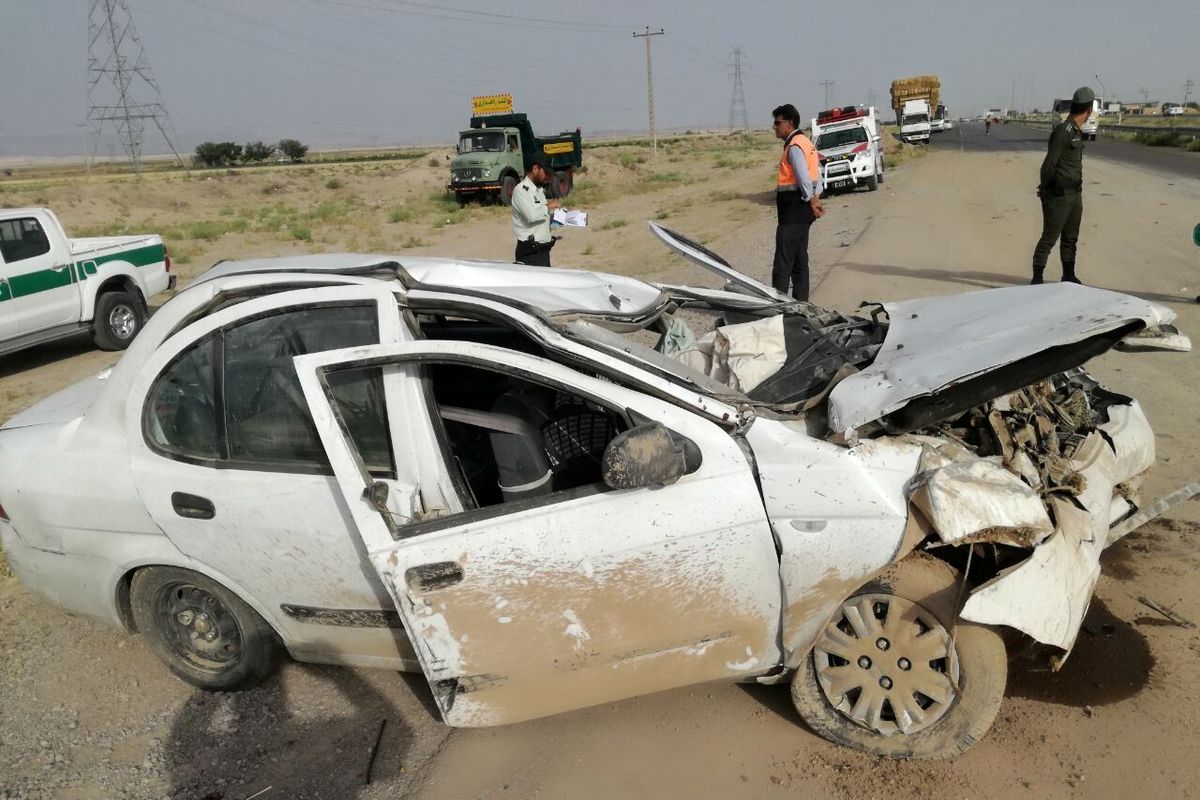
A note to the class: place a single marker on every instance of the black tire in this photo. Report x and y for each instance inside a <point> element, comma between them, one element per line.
<point>880,169</point>
<point>928,587</point>
<point>560,185</point>
<point>508,185</point>
<point>873,182</point>
<point>462,199</point>
<point>118,318</point>
<point>204,633</point>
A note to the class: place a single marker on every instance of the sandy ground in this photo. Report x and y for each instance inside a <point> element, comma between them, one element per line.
<point>88,712</point>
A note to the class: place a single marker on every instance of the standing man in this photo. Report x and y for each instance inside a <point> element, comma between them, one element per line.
<point>1061,188</point>
<point>797,201</point>
<point>531,215</point>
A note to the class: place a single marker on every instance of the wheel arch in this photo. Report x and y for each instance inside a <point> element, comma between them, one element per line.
<point>120,282</point>
<point>124,589</point>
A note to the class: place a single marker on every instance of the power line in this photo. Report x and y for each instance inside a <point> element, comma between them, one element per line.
<point>828,92</point>
<point>650,82</point>
<point>482,17</point>
<point>738,118</point>
<point>121,88</point>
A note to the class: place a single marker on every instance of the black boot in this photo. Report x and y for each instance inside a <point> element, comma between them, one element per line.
<point>1037,275</point>
<point>1069,274</point>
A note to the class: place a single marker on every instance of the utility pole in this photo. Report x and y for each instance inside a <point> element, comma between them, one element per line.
<point>1145,98</point>
<point>1012,98</point>
<point>828,92</point>
<point>650,83</point>
<point>121,88</point>
<point>738,118</point>
<point>870,97</point>
<point>1187,92</point>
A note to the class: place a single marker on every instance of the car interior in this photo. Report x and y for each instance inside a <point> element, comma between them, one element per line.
<point>511,438</point>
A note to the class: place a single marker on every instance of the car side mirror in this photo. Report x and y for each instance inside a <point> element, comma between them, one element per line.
<point>648,455</point>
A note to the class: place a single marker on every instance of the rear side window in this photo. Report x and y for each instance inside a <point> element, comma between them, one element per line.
<point>22,238</point>
<point>234,400</point>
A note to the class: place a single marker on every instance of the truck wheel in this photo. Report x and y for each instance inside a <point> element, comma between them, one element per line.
<point>561,184</point>
<point>508,185</point>
<point>890,675</point>
<point>879,169</point>
<point>203,632</point>
<point>873,182</point>
<point>118,318</point>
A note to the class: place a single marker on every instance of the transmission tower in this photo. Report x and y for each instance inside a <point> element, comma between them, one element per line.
<point>828,91</point>
<point>738,119</point>
<point>121,88</point>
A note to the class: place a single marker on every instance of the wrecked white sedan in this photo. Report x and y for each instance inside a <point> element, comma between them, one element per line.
<point>486,472</point>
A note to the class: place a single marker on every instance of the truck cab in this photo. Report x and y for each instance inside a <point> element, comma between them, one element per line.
<point>53,287</point>
<point>914,122</point>
<point>494,154</point>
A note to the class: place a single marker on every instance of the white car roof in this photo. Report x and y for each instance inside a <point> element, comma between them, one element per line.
<point>554,291</point>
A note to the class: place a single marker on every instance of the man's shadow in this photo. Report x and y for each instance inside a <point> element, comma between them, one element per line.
<point>230,745</point>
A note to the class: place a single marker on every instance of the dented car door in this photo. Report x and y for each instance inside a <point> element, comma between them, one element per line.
<point>540,605</point>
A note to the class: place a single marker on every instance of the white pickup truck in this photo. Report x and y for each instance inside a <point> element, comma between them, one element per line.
<point>849,147</point>
<point>53,287</point>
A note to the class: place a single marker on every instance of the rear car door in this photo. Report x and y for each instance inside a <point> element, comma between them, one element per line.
<point>550,598</point>
<point>42,291</point>
<point>230,467</point>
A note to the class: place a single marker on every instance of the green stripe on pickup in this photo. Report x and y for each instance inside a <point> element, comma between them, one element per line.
<point>50,278</point>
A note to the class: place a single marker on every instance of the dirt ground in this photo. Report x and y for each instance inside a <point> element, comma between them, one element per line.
<point>88,712</point>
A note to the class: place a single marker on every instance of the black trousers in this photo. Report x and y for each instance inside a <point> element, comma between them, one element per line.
<point>791,258</point>
<point>1061,216</point>
<point>534,254</point>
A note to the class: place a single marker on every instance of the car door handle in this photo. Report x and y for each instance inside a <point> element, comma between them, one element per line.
<point>192,506</point>
<point>60,267</point>
<point>430,577</point>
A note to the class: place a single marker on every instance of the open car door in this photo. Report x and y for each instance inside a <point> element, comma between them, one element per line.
<point>533,606</point>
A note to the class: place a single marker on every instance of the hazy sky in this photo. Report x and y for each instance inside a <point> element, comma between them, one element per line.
<point>344,72</point>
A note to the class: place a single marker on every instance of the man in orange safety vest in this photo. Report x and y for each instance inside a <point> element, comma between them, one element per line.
<point>797,200</point>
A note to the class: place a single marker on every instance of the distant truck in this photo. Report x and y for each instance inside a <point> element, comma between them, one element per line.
<point>913,100</point>
<point>1090,128</point>
<point>849,148</point>
<point>53,287</point>
<point>494,154</point>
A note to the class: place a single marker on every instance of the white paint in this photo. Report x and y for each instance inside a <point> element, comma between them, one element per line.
<point>575,629</point>
<point>936,342</point>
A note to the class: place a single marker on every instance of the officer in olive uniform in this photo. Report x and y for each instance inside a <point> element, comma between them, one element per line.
<point>1061,189</point>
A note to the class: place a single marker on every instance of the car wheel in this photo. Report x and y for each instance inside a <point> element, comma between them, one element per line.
<point>508,185</point>
<point>204,633</point>
<point>118,318</point>
<point>879,170</point>
<point>873,182</point>
<point>889,674</point>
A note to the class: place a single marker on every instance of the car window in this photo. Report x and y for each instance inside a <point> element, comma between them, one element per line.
<point>262,420</point>
<point>511,439</point>
<point>22,238</point>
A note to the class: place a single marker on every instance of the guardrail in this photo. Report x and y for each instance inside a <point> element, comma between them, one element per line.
<point>1182,130</point>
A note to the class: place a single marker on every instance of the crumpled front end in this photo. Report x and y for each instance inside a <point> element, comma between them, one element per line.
<point>1032,483</point>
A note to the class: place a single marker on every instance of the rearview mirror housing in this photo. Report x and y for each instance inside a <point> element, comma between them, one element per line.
<point>648,455</point>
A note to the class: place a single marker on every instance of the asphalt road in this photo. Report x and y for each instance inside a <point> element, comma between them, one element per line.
<point>970,137</point>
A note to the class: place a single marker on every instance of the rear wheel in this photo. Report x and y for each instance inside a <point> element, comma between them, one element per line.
<point>508,185</point>
<point>889,675</point>
<point>560,185</point>
<point>118,318</point>
<point>204,633</point>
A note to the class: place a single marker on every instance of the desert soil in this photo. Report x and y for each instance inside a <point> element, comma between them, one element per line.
<point>86,711</point>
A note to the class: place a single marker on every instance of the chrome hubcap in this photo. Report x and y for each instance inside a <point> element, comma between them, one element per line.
<point>122,321</point>
<point>887,664</point>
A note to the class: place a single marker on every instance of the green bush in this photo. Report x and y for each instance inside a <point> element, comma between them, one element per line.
<point>333,183</point>
<point>301,233</point>
<point>1162,139</point>
<point>614,223</point>
<point>400,214</point>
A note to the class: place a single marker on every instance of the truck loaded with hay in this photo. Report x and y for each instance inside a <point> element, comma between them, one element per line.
<point>913,100</point>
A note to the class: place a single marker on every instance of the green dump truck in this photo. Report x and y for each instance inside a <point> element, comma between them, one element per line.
<point>494,155</point>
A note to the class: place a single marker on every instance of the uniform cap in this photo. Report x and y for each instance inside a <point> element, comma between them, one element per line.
<point>1083,96</point>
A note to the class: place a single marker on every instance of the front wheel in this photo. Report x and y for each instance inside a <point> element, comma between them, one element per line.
<point>118,318</point>
<point>889,675</point>
<point>204,633</point>
<point>508,185</point>
<point>873,182</point>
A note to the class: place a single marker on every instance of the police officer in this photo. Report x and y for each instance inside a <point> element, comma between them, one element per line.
<point>531,215</point>
<point>797,202</point>
<point>1061,188</point>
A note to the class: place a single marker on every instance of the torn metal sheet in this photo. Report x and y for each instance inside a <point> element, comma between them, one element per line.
<point>700,255</point>
<point>935,343</point>
<point>978,500</point>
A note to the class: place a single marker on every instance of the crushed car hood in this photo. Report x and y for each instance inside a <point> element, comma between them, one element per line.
<point>1008,337</point>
